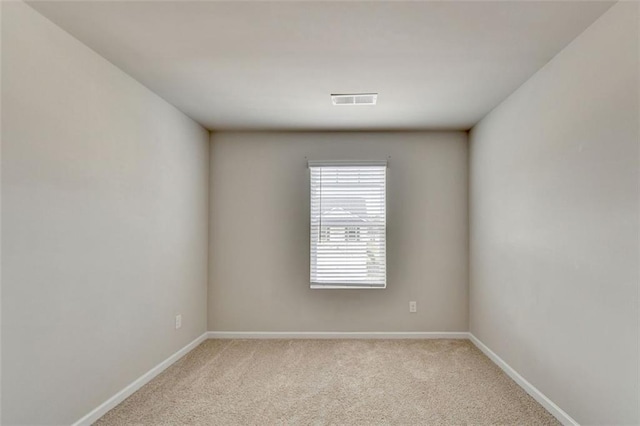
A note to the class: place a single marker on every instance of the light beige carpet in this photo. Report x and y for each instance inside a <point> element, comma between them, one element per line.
<point>349,382</point>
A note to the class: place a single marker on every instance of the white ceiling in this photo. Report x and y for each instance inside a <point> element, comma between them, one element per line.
<point>273,65</point>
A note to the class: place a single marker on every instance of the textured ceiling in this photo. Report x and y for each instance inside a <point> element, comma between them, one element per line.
<point>273,65</point>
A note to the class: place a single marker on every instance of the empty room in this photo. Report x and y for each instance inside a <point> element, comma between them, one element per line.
<point>320,213</point>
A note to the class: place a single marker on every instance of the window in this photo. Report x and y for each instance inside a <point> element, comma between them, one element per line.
<point>348,224</point>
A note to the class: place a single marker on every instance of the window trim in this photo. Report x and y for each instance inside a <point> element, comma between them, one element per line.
<point>350,163</point>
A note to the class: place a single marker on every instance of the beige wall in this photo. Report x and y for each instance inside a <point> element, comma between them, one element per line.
<point>554,225</point>
<point>259,242</point>
<point>104,219</point>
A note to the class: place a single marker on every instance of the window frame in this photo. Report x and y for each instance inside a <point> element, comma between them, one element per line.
<point>348,285</point>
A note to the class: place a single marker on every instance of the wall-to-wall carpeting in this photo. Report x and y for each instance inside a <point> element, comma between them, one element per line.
<point>331,382</point>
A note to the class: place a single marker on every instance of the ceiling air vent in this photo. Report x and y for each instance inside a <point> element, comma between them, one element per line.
<point>355,99</point>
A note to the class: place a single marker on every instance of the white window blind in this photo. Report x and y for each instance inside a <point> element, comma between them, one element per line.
<point>348,224</point>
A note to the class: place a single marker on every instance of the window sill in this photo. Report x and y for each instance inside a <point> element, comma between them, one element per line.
<point>346,287</point>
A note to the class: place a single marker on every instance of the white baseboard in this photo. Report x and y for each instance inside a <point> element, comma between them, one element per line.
<point>102,409</point>
<point>335,335</point>
<point>556,411</point>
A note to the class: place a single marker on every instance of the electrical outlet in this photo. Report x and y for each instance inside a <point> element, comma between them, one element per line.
<point>178,321</point>
<point>413,307</point>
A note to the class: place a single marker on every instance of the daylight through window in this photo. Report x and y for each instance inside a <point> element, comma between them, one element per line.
<point>348,224</point>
